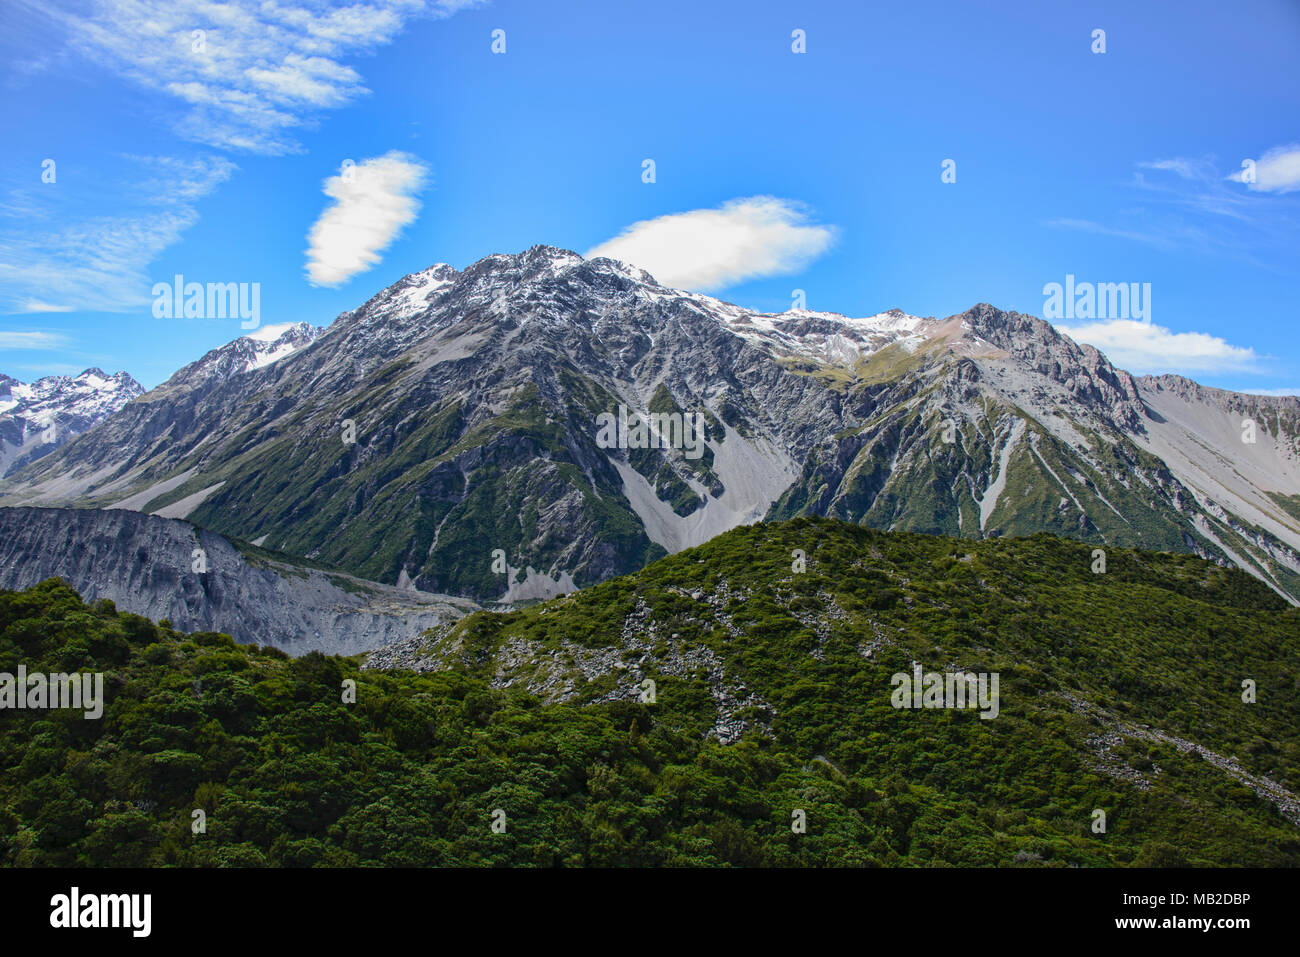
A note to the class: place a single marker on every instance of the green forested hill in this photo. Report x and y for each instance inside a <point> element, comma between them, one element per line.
<point>1119,691</point>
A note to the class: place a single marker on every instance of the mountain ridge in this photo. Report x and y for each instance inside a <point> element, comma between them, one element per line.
<point>473,395</point>
<point>38,417</point>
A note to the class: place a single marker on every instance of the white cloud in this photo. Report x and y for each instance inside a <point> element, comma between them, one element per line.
<point>373,201</point>
<point>36,305</point>
<point>32,340</point>
<point>1277,171</point>
<point>1142,348</point>
<point>710,249</point>
<point>265,67</point>
<point>1187,169</point>
<point>98,261</point>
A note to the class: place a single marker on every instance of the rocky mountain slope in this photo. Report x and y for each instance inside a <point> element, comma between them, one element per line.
<point>449,433</point>
<point>168,569</point>
<point>993,423</point>
<point>37,418</point>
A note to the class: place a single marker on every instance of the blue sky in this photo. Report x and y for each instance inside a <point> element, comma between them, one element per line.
<point>777,170</point>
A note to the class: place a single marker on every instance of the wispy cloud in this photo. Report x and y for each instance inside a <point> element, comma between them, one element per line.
<point>710,249</point>
<point>258,69</point>
<point>38,372</point>
<point>32,340</point>
<point>1160,240</point>
<point>1277,171</point>
<point>1185,168</point>
<point>1143,348</point>
<point>373,202</point>
<point>96,261</point>
<point>1280,393</point>
<point>36,305</point>
<point>1190,203</point>
<point>1200,188</point>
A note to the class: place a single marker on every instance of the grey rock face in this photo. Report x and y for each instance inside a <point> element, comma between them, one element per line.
<point>166,568</point>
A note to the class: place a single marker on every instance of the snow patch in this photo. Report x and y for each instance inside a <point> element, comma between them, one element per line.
<point>270,333</point>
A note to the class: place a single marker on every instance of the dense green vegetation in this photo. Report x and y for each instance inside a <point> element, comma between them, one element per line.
<point>287,773</point>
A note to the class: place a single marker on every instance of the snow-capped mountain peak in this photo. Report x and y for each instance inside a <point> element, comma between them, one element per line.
<point>38,417</point>
<point>256,350</point>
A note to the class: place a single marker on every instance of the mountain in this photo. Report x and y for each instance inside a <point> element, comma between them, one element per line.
<point>992,423</point>
<point>199,581</point>
<point>37,418</point>
<point>589,730</point>
<point>254,351</point>
<point>453,431</point>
